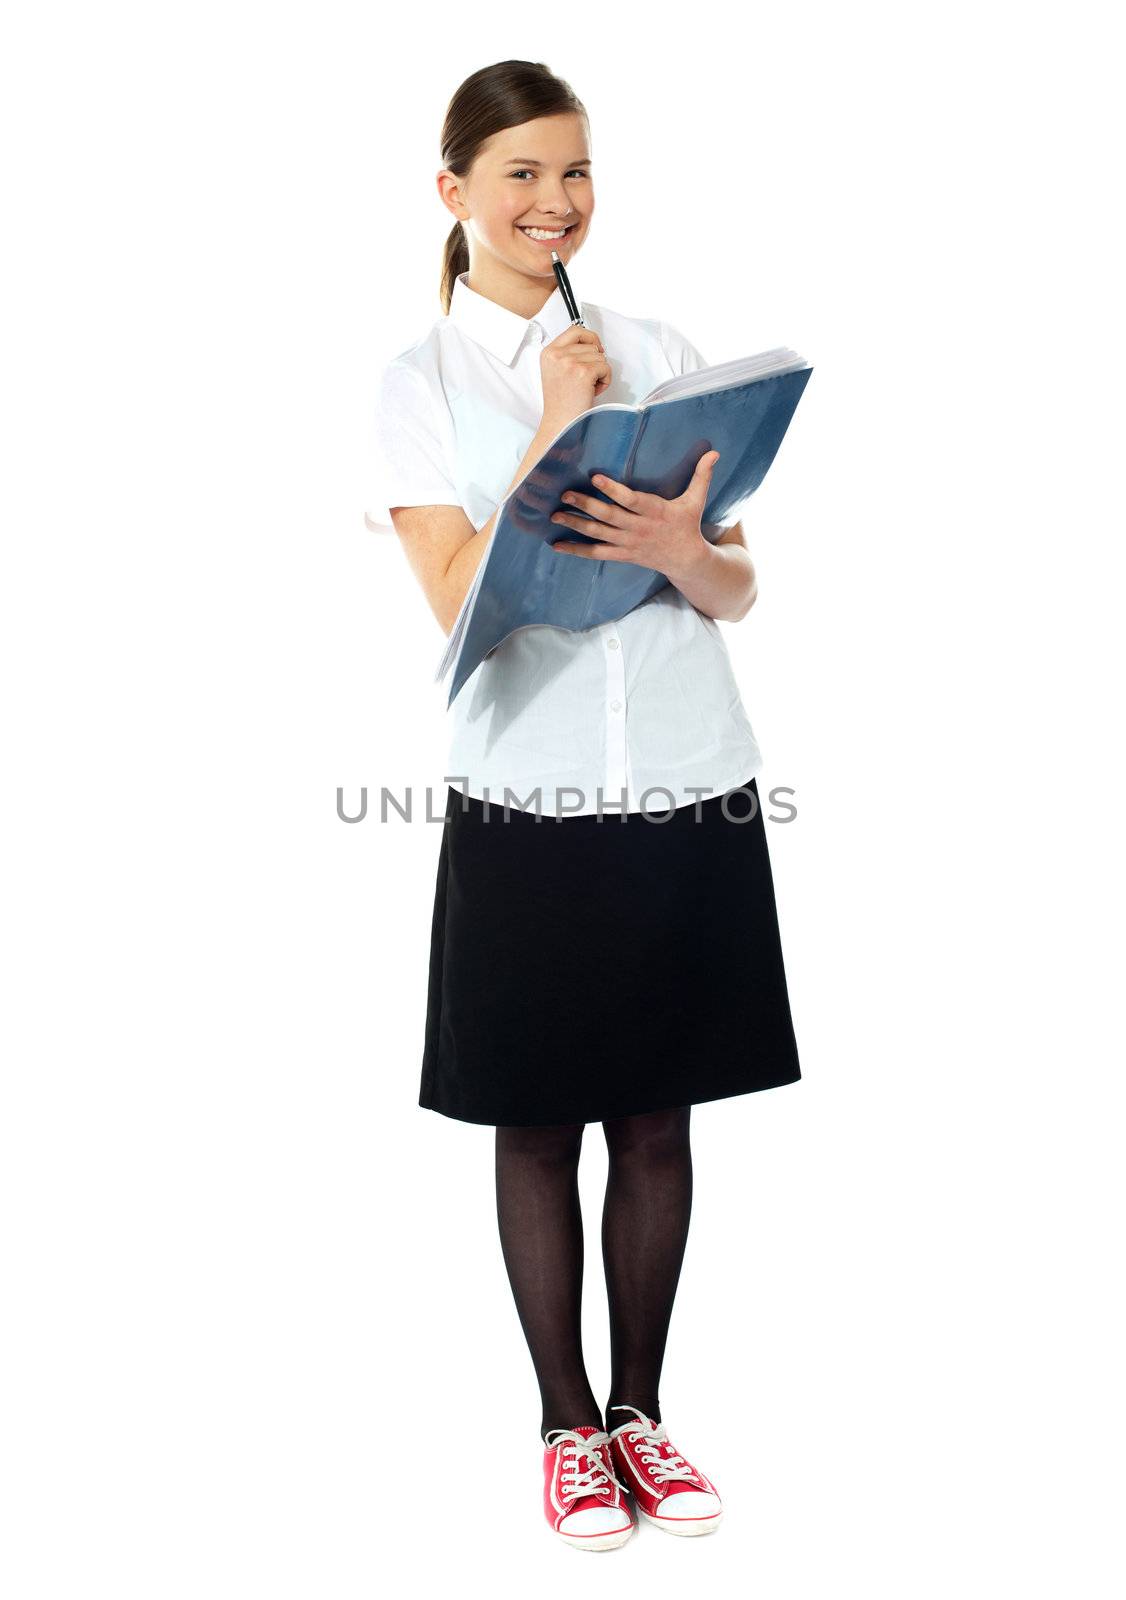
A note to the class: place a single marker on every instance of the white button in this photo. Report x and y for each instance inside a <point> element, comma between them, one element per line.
<point>615,705</point>
<point>613,643</point>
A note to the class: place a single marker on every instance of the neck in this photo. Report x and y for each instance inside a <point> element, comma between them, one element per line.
<point>520,292</point>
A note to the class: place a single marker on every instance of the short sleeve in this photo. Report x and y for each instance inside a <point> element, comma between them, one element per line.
<point>684,357</point>
<point>409,465</point>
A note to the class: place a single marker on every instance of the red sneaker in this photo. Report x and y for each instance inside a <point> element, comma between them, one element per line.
<point>582,1497</point>
<point>669,1491</point>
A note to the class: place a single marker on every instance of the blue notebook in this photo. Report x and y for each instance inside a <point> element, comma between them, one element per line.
<point>740,408</point>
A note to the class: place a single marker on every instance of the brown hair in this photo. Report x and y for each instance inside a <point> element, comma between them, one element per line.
<point>501,96</point>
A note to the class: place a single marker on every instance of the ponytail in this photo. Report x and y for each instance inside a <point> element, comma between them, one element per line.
<point>455,259</point>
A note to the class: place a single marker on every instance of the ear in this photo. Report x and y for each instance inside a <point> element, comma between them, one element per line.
<point>449,192</point>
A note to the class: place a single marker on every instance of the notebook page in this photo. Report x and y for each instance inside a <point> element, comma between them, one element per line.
<point>725,376</point>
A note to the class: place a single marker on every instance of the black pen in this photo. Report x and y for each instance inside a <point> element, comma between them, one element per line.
<point>565,290</point>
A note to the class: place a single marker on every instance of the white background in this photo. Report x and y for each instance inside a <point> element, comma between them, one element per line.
<point>258,1337</point>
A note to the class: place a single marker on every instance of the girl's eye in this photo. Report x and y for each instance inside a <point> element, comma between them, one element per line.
<point>579,173</point>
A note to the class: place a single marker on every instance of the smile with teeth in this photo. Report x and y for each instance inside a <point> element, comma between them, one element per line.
<point>546,233</point>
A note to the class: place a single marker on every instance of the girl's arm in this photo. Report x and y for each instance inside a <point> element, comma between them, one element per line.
<point>442,546</point>
<point>720,580</point>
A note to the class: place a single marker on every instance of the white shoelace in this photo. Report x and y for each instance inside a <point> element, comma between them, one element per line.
<point>574,1482</point>
<point>649,1438</point>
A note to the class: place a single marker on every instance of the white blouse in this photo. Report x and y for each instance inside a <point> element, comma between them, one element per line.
<point>628,713</point>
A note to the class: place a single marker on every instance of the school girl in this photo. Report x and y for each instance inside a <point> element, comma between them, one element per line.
<point>604,945</point>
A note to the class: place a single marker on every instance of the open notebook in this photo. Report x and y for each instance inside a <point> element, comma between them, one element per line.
<point>740,408</point>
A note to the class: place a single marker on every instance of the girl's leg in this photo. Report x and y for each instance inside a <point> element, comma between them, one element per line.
<point>541,1233</point>
<point>644,1232</point>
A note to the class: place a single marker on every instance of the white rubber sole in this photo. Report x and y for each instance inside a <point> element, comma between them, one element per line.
<point>599,1541</point>
<point>683,1527</point>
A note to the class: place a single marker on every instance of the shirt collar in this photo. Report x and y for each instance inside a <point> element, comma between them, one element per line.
<point>497,329</point>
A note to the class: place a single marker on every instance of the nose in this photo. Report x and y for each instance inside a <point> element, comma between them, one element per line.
<point>562,205</point>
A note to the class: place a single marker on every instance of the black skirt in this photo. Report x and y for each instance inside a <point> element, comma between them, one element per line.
<point>585,968</point>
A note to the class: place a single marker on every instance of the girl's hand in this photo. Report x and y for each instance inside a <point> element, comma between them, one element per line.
<point>643,528</point>
<point>575,371</point>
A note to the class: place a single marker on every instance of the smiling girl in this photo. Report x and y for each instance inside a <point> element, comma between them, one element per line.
<point>605,943</point>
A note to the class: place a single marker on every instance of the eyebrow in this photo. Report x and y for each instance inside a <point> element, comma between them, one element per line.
<point>530,161</point>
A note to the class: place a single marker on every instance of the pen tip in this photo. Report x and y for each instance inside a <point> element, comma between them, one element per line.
<point>555,255</point>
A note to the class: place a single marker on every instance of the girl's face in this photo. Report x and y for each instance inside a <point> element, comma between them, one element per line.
<point>537,177</point>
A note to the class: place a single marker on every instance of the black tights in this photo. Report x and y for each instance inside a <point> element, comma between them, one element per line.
<point>644,1231</point>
